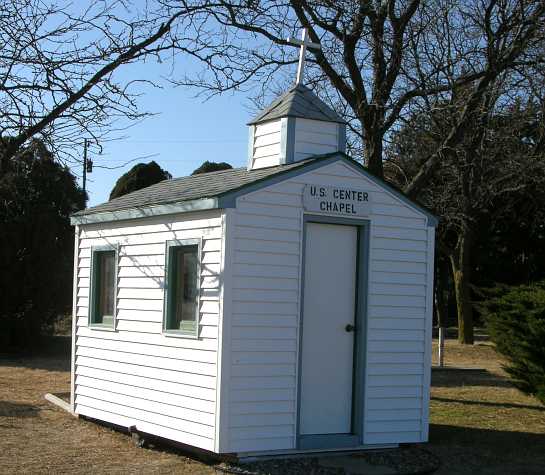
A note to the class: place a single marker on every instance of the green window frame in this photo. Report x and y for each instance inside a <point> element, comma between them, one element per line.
<point>103,287</point>
<point>182,287</point>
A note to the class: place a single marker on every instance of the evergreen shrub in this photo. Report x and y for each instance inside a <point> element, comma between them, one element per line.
<point>515,318</point>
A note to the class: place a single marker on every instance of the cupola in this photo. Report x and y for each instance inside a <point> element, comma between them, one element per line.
<point>294,127</point>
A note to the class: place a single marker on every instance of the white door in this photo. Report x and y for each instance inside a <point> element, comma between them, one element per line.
<point>327,347</point>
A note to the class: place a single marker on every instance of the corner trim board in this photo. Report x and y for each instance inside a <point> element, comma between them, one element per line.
<point>290,140</point>
<point>74,322</point>
<point>341,137</point>
<point>251,140</point>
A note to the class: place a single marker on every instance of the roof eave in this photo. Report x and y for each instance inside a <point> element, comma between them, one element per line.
<point>146,211</point>
<point>261,121</point>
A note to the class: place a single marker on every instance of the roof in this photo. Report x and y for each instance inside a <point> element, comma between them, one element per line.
<point>299,101</point>
<point>217,190</point>
<point>205,185</point>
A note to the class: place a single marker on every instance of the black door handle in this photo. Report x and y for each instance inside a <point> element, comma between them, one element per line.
<point>350,328</point>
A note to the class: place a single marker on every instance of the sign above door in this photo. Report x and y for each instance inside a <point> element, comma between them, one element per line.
<point>345,201</point>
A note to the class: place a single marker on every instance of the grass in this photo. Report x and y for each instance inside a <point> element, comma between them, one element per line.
<point>479,423</point>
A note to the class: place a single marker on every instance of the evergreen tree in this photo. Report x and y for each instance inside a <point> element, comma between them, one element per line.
<point>139,176</point>
<point>515,317</point>
<point>208,167</point>
<point>37,197</point>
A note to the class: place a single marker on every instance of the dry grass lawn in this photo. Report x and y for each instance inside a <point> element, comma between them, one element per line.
<point>480,424</point>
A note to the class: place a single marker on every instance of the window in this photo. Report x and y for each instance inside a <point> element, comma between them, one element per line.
<point>182,287</point>
<point>103,286</point>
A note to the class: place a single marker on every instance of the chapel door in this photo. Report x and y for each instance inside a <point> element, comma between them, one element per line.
<point>328,338</point>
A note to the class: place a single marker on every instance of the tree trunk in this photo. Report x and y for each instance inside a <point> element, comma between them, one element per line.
<point>372,141</point>
<point>461,273</point>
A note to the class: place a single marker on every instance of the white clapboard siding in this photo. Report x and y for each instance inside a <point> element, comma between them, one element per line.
<point>266,144</point>
<point>152,402</point>
<point>258,345</point>
<point>313,137</point>
<point>259,420</point>
<point>136,375</point>
<point>148,372</point>
<point>266,290</point>
<point>202,398</point>
<point>156,340</point>
<point>185,354</point>
<point>118,415</point>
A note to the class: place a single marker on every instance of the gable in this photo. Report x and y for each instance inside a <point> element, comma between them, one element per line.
<point>336,170</point>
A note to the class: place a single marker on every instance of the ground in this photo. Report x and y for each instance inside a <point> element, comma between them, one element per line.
<point>480,424</point>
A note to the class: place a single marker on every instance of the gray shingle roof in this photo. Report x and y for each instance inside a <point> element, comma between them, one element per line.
<point>206,185</point>
<point>299,101</point>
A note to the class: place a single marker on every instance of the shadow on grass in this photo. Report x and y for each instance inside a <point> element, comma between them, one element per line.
<point>52,355</point>
<point>454,378</point>
<point>506,443</point>
<point>505,405</point>
<point>17,409</point>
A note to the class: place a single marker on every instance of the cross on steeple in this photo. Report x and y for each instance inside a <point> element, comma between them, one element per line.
<point>304,42</point>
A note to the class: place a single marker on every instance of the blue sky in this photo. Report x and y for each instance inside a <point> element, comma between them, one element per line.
<point>185,132</point>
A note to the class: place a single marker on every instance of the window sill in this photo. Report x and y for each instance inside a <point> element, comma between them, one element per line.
<point>180,334</point>
<point>105,328</point>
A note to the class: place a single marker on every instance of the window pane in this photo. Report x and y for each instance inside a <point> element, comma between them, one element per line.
<point>104,287</point>
<point>184,286</point>
<point>107,284</point>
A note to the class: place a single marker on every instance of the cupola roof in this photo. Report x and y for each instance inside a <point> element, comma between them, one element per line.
<point>298,101</point>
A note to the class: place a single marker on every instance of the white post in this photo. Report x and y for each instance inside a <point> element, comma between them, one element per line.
<point>441,346</point>
<point>302,53</point>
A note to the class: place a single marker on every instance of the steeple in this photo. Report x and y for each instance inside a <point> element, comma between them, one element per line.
<point>297,125</point>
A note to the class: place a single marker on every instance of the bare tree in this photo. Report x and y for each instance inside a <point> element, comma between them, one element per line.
<point>379,59</point>
<point>57,64</point>
<point>501,157</point>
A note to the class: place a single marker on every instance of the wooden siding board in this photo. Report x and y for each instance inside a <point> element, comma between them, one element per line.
<point>146,400</point>
<point>146,415</point>
<point>192,369</point>
<point>159,340</point>
<point>176,353</point>
<point>258,382</point>
<point>147,372</point>
<point>202,398</point>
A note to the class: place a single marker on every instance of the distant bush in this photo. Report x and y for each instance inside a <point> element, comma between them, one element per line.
<point>208,167</point>
<point>515,318</point>
<point>140,176</point>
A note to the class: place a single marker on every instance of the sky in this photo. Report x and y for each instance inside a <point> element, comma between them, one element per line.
<point>185,132</point>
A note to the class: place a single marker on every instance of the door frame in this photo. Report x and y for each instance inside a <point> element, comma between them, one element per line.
<point>354,439</point>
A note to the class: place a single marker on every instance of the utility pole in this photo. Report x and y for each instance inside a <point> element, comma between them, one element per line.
<point>87,164</point>
<point>84,163</point>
